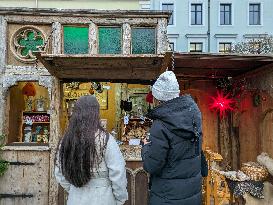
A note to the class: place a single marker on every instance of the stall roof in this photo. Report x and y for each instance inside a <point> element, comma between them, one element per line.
<point>207,65</point>
<point>129,68</point>
<point>118,68</point>
<point>85,12</point>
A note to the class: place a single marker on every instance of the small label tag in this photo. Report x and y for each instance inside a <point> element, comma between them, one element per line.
<point>126,120</point>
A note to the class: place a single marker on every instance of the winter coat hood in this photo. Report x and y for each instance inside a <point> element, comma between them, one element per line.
<point>181,116</point>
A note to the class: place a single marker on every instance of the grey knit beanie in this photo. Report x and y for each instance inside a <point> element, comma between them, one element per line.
<point>166,87</point>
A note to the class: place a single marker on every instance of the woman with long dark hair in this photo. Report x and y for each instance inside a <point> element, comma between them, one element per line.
<point>89,164</point>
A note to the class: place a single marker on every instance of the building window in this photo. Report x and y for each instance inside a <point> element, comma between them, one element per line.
<point>254,14</point>
<point>225,14</point>
<point>224,47</point>
<point>196,14</point>
<point>172,46</point>
<point>169,7</point>
<point>196,47</point>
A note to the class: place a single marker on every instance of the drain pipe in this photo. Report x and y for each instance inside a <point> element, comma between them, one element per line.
<point>208,32</point>
<point>36,2</point>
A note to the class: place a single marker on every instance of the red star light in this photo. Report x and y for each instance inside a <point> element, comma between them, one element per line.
<point>222,103</point>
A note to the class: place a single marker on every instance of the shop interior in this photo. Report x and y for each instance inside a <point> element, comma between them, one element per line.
<point>122,108</point>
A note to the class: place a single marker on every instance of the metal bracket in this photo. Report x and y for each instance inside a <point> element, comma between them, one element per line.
<point>16,195</point>
<point>21,163</point>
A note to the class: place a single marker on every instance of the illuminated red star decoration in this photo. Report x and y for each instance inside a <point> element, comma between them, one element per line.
<point>222,103</point>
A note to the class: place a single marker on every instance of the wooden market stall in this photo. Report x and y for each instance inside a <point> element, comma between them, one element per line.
<point>244,131</point>
<point>248,76</point>
<point>199,75</point>
<point>79,52</point>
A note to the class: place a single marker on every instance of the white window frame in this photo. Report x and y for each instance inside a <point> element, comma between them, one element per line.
<point>174,43</point>
<point>232,13</point>
<point>204,10</point>
<point>197,40</point>
<point>225,40</point>
<point>261,17</point>
<point>174,10</point>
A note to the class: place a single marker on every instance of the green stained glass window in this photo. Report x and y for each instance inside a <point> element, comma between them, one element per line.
<point>75,40</point>
<point>30,41</point>
<point>110,40</point>
<point>143,41</point>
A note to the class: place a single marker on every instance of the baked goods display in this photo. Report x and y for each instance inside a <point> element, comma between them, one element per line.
<point>136,129</point>
<point>255,171</point>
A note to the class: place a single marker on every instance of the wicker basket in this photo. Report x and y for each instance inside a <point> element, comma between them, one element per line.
<point>255,171</point>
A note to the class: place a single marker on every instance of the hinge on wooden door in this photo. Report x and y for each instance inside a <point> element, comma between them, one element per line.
<point>16,196</point>
<point>21,163</point>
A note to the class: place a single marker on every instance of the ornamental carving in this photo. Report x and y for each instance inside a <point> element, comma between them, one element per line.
<point>25,41</point>
<point>131,153</point>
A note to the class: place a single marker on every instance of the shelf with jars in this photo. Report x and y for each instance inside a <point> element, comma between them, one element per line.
<point>35,127</point>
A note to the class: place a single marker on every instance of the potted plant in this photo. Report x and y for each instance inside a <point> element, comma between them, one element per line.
<point>3,163</point>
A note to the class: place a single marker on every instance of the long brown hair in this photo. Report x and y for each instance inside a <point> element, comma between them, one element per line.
<point>78,154</point>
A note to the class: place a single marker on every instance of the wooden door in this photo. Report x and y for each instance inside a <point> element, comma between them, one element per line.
<point>267,134</point>
<point>27,180</point>
<point>138,181</point>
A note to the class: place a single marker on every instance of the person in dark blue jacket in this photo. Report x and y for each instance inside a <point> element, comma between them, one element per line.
<point>172,156</point>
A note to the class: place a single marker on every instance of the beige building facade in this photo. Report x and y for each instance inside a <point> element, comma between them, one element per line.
<point>79,4</point>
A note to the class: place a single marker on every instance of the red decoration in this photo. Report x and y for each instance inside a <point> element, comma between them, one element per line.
<point>29,89</point>
<point>222,103</point>
<point>149,97</point>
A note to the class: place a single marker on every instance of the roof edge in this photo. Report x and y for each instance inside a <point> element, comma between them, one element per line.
<point>83,12</point>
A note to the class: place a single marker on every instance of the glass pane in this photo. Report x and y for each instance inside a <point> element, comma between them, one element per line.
<point>199,47</point>
<point>171,20</point>
<point>228,8</point>
<point>192,47</point>
<point>164,7</point>
<point>256,18</point>
<point>168,7</point>
<point>257,7</point>
<point>227,18</point>
<point>110,40</point>
<point>251,8</point>
<point>228,47</point>
<point>75,40</point>
<point>143,41</point>
<point>172,46</point>
<point>199,7</point>
<point>251,17</point>
<point>193,7</point>
<point>199,18</point>
<point>193,18</point>
<point>221,47</point>
<point>222,18</point>
<point>222,8</point>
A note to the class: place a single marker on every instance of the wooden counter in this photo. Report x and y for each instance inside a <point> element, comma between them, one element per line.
<point>138,179</point>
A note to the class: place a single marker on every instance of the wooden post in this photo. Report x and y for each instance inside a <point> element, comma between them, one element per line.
<point>56,38</point>
<point>93,42</point>
<point>55,111</point>
<point>55,114</point>
<point>3,31</point>
<point>126,43</point>
<point>162,42</point>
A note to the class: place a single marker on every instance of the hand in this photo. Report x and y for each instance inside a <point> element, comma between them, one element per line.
<point>145,141</point>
